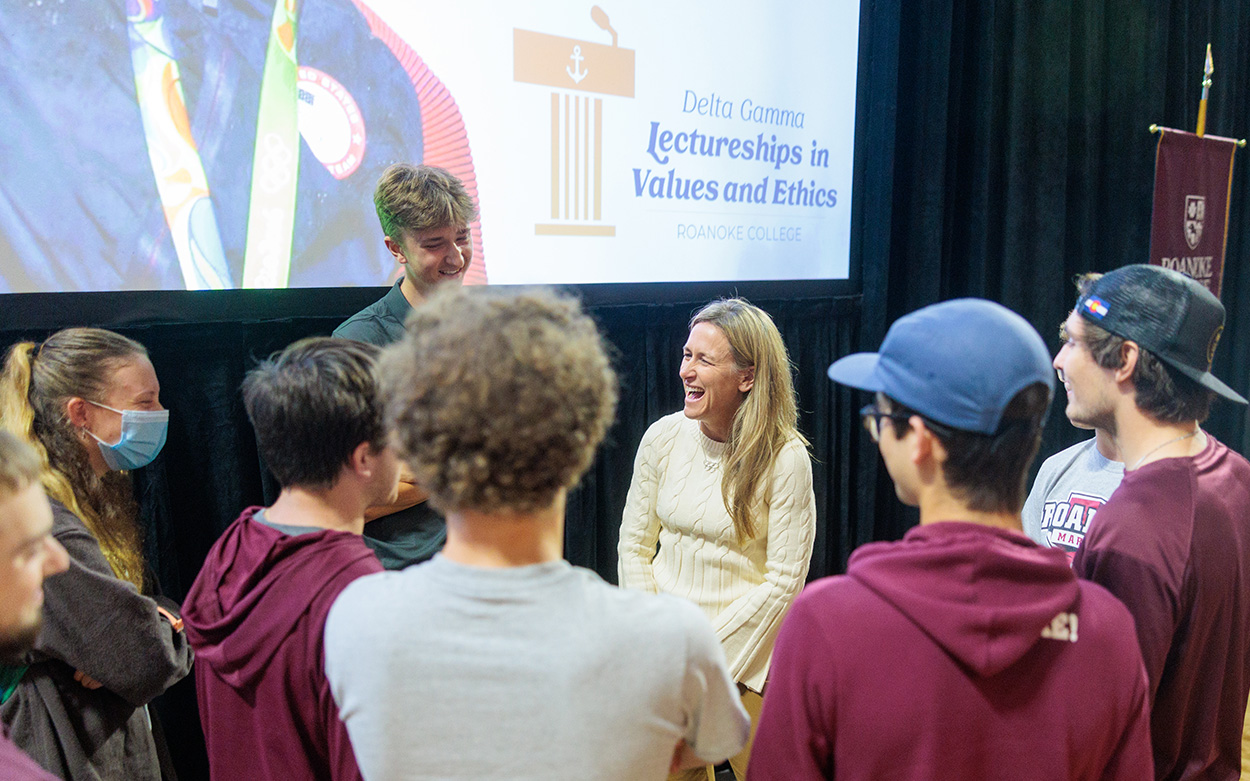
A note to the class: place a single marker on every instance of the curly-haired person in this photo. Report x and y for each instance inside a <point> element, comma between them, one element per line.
<point>498,658</point>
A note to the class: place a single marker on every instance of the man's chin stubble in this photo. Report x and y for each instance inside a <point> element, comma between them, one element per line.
<point>15,645</point>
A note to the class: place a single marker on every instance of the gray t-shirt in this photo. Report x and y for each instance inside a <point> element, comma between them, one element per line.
<point>1070,488</point>
<point>444,671</point>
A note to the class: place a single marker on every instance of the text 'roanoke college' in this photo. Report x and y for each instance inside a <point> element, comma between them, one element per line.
<point>726,232</point>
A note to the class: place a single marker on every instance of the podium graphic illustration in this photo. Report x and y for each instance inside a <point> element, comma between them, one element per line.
<point>578,73</point>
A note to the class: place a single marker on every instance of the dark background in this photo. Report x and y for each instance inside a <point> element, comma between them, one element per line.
<point>1002,148</point>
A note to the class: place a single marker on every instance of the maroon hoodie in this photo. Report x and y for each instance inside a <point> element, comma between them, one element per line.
<point>255,616</point>
<point>960,652</point>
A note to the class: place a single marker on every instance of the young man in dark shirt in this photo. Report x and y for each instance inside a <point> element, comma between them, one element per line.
<point>425,214</point>
<point>1172,542</point>
<point>964,650</point>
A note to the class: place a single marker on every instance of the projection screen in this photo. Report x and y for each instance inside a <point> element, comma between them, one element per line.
<point>221,144</point>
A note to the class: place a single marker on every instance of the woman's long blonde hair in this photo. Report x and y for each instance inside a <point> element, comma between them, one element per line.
<point>768,416</point>
<point>35,385</point>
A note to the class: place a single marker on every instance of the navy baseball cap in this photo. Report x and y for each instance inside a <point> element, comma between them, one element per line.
<point>1173,316</point>
<point>959,363</point>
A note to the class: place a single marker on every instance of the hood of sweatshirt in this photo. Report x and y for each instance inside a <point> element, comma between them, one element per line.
<point>984,595</point>
<point>258,587</point>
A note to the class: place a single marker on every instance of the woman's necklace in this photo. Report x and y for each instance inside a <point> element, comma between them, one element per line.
<point>1160,447</point>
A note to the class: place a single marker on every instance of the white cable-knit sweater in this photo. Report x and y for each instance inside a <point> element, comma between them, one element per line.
<point>744,589</point>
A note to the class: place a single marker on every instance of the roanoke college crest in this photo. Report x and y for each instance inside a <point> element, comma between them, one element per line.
<point>1195,210</point>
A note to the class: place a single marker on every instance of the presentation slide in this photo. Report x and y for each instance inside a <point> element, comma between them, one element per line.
<point>218,144</point>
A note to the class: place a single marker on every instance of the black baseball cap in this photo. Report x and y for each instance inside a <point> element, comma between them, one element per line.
<point>1167,313</point>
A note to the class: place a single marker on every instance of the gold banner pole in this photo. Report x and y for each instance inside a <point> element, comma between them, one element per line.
<point>1207,70</point>
<point>1241,142</point>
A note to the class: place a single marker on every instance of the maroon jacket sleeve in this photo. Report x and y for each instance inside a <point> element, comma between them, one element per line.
<point>1142,562</point>
<point>1147,595</point>
<point>1133,758</point>
<point>794,740</point>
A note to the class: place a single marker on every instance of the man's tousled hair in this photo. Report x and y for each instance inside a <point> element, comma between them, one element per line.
<point>498,399</point>
<point>420,197</point>
<point>311,406</point>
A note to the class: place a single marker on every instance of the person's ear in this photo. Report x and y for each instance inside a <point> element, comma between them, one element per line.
<point>926,446</point>
<point>396,249</point>
<point>747,381</point>
<point>76,412</point>
<point>1130,354</point>
<point>363,460</point>
<point>919,445</point>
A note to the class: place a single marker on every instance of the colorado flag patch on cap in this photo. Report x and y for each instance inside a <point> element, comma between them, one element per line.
<point>1095,307</point>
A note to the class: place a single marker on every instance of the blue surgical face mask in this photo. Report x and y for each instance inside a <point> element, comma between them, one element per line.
<point>143,436</point>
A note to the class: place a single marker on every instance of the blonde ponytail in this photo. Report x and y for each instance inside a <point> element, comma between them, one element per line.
<point>35,385</point>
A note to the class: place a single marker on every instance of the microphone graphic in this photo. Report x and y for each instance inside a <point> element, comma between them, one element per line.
<point>601,19</point>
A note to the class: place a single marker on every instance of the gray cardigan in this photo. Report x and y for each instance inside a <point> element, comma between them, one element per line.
<point>101,625</point>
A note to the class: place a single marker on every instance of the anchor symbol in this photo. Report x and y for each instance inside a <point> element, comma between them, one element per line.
<point>579,74</point>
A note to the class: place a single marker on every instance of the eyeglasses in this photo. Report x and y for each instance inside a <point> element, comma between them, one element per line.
<point>873,416</point>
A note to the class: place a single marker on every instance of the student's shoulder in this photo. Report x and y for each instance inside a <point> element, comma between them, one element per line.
<point>367,326</point>
<point>1062,461</point>
<point>350,556</point>
<point>73,534</point>
<point>1153,507</point>
<point>831,595</point>
<point>625,605</point>
<point>372,589</point>
<point>1105,623</point>
<point>664,621</point>
<point>63,519</point>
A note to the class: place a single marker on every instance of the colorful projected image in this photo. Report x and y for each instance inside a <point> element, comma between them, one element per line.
<point>217,144</point>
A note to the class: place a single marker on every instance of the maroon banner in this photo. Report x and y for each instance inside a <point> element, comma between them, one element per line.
<point>1189,226</point>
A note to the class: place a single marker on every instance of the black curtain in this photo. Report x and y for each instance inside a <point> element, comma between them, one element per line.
<point>1022,157</point>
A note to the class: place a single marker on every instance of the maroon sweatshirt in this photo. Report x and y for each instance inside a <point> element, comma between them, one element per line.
<point>960,652</point>
<point>255,616</point>
<point>1173,542</point>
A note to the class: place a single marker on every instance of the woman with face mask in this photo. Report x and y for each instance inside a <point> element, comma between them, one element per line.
<point>88,401</point>
<point>721,509</point>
